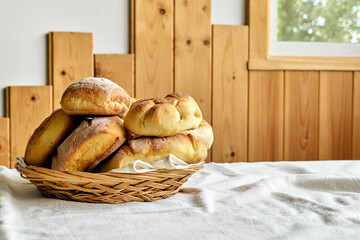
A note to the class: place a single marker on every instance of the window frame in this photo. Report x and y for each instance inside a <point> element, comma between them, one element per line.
<point>259,12</point>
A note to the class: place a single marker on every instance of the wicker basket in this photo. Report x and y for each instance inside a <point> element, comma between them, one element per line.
<point>107,187</point>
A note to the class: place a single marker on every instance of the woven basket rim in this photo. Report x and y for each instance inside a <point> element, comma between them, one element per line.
<point>110,187</point>
<point>31,172</point>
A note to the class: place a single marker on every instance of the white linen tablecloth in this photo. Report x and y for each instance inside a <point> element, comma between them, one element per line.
<point>273,200</point>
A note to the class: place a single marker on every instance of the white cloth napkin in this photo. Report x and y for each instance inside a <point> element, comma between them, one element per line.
<point>266,200</point>
<point>139,166</point>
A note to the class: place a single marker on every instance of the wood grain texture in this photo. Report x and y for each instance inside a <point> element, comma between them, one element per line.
<point>301,136</point>
<point>259,29</point>
<point>5,142</point>
<point>70,59</point>
<point>335,128</point>
<point>266,108</point>
<point>154,48</point>
<point>50,58</point>
<point>29,106</point>
<point>230,93</point>
<point>192,58</point>
<point>356,118</point>
<point>305,63</point>
<point>7,102</point>
<point>119,68</point>
<point>132,30</point>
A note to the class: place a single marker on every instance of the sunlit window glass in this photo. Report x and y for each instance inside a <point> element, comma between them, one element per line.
<point>319,20</point>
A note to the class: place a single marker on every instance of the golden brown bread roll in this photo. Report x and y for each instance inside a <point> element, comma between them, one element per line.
<point>47,137</point>
<point>152,149</point>
<point>90,143</point>
<point>133,100</point>
<point>175,113</point>
<point>95,96</point>
<point>204,133</point>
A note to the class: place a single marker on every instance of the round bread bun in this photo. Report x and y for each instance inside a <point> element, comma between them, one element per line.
<point>47,137</point>
<point>204,133</point>
<point>95,96</point>
<point>175,113</point>
<point>90,143</point>
<point>132,100</point>
<point>151,149</point>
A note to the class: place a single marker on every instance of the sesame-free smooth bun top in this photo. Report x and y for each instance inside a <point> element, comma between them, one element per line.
<point>173,114</point>
<point>95,96</point>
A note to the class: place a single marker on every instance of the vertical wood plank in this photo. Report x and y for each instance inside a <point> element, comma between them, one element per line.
<point>266,107</point>
<point>71,59</point>
<point>132,37</point>
<point>5,142</point>
<point>7,102</point>
<point>119,68</point>
<point>154,48</point>
<point>50,58</point>
<point>259,29</point>
<point>29,106</point>
<point>335,128</point>
<point>230,93</point>
<point>356,118</point>
<point>301,139</point>
<point>193,51</point>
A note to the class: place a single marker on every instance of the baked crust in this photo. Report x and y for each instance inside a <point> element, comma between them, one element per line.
<point>90,143</point>
<point>175,113</point>
<point>133,100</point>
<point>204,133</point>
<point>95,96</point>
<point>47,137</point>
<point>152,149</point>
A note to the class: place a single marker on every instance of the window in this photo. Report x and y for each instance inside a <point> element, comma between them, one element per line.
<point>315,28</point>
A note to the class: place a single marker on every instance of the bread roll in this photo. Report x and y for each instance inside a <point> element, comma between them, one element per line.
<point>204,133</point>
<point>150,150</point>
<point>95,96</point>
<point>133,100</point>
<point>91,142</point>
<point>175,113</point>
<point>47,137</point>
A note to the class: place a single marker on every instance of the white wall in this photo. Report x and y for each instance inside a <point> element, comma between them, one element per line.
<point>25,23</point>
<point>229,12</point>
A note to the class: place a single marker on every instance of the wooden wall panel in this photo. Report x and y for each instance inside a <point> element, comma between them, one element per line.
<point>7,101</point>
<point>28,107</point>
<point>118,68</point>
<point>154,48</point>
<point>266,108</point>
<point>132,30</point>
<point>356,118</point>
<point>5,142</point>
<point>335,127</point>
<point>193,51</point>
<point>305,63</point>
<point>70,59</point>
<point>301,115</point>
<point>230,93</point>
<point>259,30</point>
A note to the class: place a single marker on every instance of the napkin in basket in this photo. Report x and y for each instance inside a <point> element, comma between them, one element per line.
<point>138,166</point>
